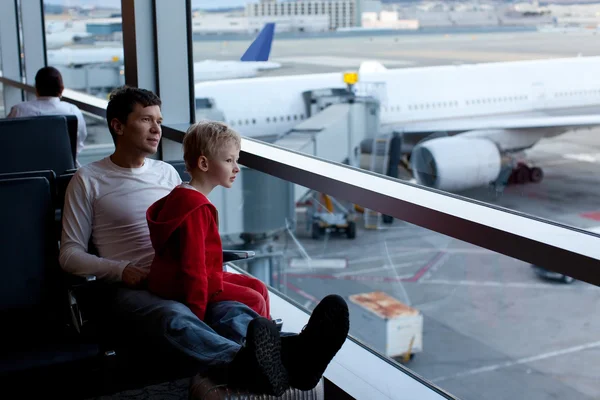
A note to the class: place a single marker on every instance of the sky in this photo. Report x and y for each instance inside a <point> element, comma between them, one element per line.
<point>206,4</point>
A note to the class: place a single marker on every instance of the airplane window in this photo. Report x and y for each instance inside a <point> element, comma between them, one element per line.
<point>268,119</point>
<point>232,123</point>
<point>240,121</point>
<point>289,118</point>
<point>253,121</point>
<point>301,116</point>
<point>295,117</point>
<point>247,122</point>
<point>281,119</point>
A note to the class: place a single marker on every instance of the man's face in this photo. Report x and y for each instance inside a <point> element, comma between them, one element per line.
<point>223,166</point>
<point>142,131</point>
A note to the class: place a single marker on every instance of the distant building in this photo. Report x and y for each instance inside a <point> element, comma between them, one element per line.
<point>104,26</point>
<point>215,24</point>
<point>341,13</point>
<point>387,20</point>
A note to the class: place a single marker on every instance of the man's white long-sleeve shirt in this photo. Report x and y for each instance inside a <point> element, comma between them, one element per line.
<point>108,203</point>
<point>45,105</point>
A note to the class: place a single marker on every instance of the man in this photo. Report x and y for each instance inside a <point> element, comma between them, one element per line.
<point>49,87</point>
<point>106,201</point>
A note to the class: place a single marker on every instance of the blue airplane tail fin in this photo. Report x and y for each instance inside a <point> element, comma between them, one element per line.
<point>260,49</point>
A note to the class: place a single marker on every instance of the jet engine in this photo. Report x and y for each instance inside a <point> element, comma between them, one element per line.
<point>454,163</point>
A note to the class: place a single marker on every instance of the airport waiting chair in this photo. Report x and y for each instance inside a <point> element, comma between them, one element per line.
<point>52,181</point>
<point>180,168</point>
<point>36,143</point>
<point>138,366</point>
<point>40,354</point>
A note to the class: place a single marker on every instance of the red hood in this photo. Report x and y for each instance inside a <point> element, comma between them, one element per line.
<point>166,214</point>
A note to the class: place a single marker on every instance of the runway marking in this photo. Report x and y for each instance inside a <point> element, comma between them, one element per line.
<point>415,251</point>
<point>520,361</point>
<point>435,261</point>
<point>523,285</point>
<point>375,269</point>
<point>333,61</point>
<point>595,215</point>
<point>400,278</point>
<point>302,293</point>
<point>583,157</point>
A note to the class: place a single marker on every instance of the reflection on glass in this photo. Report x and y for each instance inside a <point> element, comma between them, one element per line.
<point>474,322</point>
<point>98,143</point>
<point>473,93</point>
<point>2,110</point>
<point>84,41</point>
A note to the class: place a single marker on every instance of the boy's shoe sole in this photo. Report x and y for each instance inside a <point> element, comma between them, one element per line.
<point>264,344</point>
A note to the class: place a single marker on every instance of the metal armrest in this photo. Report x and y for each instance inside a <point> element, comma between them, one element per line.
<point>74,283</point>
<point>235,255</point>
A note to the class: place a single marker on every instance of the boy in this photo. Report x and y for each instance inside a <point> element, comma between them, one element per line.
<point>188,262</point>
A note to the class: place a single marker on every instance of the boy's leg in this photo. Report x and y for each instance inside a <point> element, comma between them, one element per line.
<point>244,295</point>
<point>230,319</point>
<point>252,283</point>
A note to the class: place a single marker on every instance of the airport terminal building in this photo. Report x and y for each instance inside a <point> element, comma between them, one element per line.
<point>341,13</point>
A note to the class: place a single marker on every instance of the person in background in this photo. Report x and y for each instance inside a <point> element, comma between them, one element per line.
<point>48,89</point>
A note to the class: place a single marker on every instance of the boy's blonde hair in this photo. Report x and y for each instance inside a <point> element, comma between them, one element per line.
<point>206,138</point>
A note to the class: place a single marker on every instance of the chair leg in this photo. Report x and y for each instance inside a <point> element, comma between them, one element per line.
<point>109,371</point>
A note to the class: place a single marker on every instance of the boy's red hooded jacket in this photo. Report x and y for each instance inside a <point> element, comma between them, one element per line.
<point>188,260</point>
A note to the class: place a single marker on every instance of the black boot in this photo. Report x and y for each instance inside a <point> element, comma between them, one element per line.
<point>307,355</point>
<point>257,366</point>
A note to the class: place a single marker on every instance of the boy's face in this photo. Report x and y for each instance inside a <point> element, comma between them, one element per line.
<point>223,166</point>
<point>142,131</point>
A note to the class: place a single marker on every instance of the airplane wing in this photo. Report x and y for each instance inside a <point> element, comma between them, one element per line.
<point>508,123</point>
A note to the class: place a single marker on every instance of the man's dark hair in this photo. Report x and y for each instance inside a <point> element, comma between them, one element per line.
<point>123,100</point>
<point>49,82</point>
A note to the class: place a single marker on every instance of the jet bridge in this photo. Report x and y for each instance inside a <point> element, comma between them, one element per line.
<point>95,79</point>
<point>260,207</point>
<point>337,124</point>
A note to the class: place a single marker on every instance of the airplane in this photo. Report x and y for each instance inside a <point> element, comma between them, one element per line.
<point>463,120</point>
<point>254,60</point>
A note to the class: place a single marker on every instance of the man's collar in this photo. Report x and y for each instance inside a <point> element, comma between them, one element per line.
<point>49,98</point>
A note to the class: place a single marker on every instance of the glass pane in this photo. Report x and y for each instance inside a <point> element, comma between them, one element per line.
<point>99,142</point>
<point>85,43</point>
<point>476,323</point>
<point>472,91</point>
<point>2,110</point>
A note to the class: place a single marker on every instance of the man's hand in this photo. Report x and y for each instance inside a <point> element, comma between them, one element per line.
<point>134,276</point>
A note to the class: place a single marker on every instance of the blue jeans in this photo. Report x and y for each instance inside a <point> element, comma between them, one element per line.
<point>213,342</point>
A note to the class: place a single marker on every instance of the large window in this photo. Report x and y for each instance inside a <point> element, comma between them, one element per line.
<point>473,91</point>
<point>474,322</point>
<point>2,110</point>
<point>476,101</point>
<point>84,41</point>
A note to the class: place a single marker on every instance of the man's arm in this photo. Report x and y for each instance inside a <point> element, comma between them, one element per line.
<point>77,230</point>
<point>193,260</point>
<point>14,112</point>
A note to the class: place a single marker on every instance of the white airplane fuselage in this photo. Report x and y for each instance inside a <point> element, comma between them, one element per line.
<point>275,104</point>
